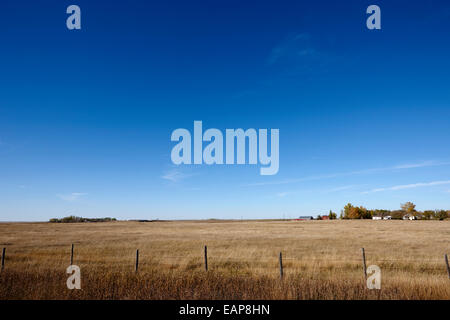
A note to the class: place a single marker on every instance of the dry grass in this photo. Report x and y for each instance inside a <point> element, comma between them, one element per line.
<point>322,259</point>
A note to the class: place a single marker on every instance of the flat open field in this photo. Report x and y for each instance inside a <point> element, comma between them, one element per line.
<point>322,259</point>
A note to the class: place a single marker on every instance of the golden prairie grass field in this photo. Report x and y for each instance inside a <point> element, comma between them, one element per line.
<point>321,259</point>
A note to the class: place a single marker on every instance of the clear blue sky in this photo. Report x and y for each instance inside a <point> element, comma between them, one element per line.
<point>86,116</point>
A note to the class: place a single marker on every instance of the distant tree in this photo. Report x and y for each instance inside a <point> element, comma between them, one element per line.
<point>385,212</point>
<point>365,214</point>
<point>397,214</point>
<point>351,212</point>
<point>332,215</point>
<point>409,207</point>
<point>347,212</point>
<point>440,214</point>
<point>428,214</point>
<point>319,217</point>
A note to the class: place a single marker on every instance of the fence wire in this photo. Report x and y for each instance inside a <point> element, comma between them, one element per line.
<point>151,258</point>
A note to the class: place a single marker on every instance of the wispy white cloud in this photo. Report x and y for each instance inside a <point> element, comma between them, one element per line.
<point>175,175</point>
<point>71,196</point>
<point>293,46</point>
<point>430,163</point>
<point>409,186</point>
<point>300,54</point>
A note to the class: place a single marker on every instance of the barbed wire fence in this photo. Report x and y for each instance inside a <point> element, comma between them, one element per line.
<point>282,260</point>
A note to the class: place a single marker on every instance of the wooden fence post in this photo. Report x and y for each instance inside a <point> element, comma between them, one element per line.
<point>71,256</point>
<point>3,258</point>
<point>137,260</point>
<point>281,266</point>
<point>206,258</point>
<point>364,262</point>
<point>448,268</point>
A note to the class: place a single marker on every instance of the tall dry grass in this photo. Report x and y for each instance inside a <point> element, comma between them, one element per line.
<point>322,259</point>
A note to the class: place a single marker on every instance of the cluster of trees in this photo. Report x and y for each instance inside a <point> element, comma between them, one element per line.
<point>330,216</point>
<point>351,212</point>
<point>435,214</point>
<point>408,208</point>
<point>73,219</point>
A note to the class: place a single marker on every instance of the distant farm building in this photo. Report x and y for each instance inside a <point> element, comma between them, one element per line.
<point>378,217</point>
<point>301,218</point>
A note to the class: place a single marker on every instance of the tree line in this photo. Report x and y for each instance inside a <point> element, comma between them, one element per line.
<point>408,208</point>
<point>74,219</point>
